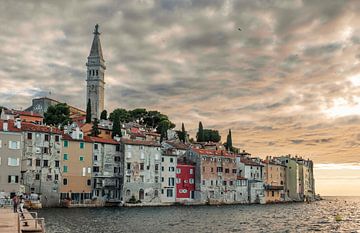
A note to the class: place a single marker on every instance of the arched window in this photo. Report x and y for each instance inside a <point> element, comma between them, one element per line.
<point>128,193</point>
<point>141,194</point>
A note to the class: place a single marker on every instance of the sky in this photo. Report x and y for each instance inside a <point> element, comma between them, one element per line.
<point>284,76</point>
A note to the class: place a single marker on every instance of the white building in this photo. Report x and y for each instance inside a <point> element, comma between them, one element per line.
<point>168,176</point>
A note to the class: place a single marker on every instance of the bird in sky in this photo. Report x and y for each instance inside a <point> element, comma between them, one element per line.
<point>239,29</point>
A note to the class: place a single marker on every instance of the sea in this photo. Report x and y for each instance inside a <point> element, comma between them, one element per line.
<point>333,214</point>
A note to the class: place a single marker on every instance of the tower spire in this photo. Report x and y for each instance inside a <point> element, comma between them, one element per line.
<point>96,50</point>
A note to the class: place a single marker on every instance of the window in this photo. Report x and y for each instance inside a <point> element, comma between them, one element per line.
<point>231,182</point>
<point>13,162</point>
<point>95,169</point>
<point>227,170</point>
<point>212,169</point>
<point>81,145</point>
<point>219,169</point>
<point>224,182</point>
<point>211,182</point>
<point>128,166</point>
<point>171,181</point>
<point>234,171</point>
<point>156,193</point>
<point>56,177</point>
<point>66,143</point>
<point>46,137</point>
<point>156,167</point>
<point>162,179</point>
<point>117,147</point>
<point>162,159</point>
<point>37,176</point>
<point>169,192</point>
<point>171,169</point>
<point>142,178</point>
<point>65,156</point>
<point>29,136</point>
<point>171,160</point>
<point>45,150</point>
<point>203,182</point>
<point>65,169</point>
<point>156,179</point>
<point>117,158</point>
<point>203,169</point>
<point>29,162</point>
<point>191,180</point>
<point>97,72</point>
<point>178,170</point>
<point>141,166</point>
<point>88,182</point>
<point>57,138</point>
<point>178,180</point>
<point>96,146</point>
<point>95,157</point>
<point>272,193</point>
<point>13,179</point>
<point>81,158</point>
<point>128,192</point>
<point>37,163</point>
<point>128,179</point>
<point>14,145</point>
<point>162,168</point>
<point>191,171</point>
<point>45,163</point>
<point>65,181</point>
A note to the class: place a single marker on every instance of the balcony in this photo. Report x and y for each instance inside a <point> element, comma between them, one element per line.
<point>273,187</point>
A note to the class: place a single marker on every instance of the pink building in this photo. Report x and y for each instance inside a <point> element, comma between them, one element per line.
<point>185,181</point>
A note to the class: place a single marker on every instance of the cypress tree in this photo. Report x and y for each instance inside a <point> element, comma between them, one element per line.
<point>103,115</point>
<point>183,133</point>
<point>229,141</point>
<point>95,128</point>
<point>200,134</point>
<point>88,111</point>
<point>116,130</point>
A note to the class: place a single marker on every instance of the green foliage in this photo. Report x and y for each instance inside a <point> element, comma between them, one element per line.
<point>116,130</point>
<point>200,137</point>
<point>229,141</point>
<point>103,115</point>
<point>209,135</point>
<point>182,133</point>
<point>88,111</point>
<point>57,115</point>
<point>95,128</point>
<point>123,115</point>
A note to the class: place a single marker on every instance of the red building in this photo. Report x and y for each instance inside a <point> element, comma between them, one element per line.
<point>185,181</point>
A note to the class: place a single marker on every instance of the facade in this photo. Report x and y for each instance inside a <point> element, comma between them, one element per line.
<point>293,180</point>
<point>10,157</point>
<point>216,176</point>
<point>185,181</point>
<point>168,176</point>
<point>274,177</point>
<point>22,115</point>
<point>310,183</point>
<point>142,174</point>
<point>95,76</point>
<point>76,167</point>
<point>41,161</point>
<point>107,170</point>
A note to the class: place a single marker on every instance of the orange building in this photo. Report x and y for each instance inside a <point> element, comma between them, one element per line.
<point>275,176</point>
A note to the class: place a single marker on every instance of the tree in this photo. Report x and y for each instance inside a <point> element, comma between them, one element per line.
<point>58,114</point>
<point>163,127</point>
<point>229,146</point>
<point>103,115</point>
<point>95,128</point>
<point>200,133</point>
<point>182,133</point>
<point>123,115</point>
<point>116,130</point>
<point>209,135</point>
<point>88,111</point>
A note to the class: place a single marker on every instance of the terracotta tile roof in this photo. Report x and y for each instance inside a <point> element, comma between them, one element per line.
<point>69,138</point>
<point>26,126</point>
<point>153,134</point>
<point>213,152</point>
<point>103,140</point>
<point>140,142</point>
<point>140,135</point>
<point>22,113</point>
<point>249,162</point>
<point>11,127</point>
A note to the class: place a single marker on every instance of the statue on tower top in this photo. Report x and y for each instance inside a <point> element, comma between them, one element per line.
<point>96,31</point>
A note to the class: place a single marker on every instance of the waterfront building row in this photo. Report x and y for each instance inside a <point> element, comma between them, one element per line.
<point>70,167</point>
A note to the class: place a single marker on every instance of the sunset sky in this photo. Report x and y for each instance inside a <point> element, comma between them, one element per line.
<point>283,75</point>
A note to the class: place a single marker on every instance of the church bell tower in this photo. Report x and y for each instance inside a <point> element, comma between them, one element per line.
<point>95,76</point>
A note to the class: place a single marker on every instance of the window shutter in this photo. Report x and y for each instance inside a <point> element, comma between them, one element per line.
<point>16,179</point>
<point>17,162</point>
<point>9,161</point>
<point>9,179</point>
<point>18,145</point>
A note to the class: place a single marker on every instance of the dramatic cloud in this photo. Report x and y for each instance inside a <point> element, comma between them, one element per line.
<point>284,76</point>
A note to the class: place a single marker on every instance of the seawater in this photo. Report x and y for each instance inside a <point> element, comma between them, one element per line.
<point>318,216</point>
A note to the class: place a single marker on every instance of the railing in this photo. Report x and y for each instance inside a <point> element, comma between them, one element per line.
<point>39,223</point>
<point>5,202</point>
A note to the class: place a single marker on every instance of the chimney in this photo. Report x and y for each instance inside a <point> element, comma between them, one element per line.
<point>5,126</point>
<point>17,123</point>
<point>117,138</point>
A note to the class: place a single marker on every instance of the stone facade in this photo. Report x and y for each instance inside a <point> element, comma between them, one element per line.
<point>95,77</point>
<point>142,174</point>
<point>168,176</point>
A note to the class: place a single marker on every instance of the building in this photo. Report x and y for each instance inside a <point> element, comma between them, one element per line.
<point>22,115</point>
<point>142,162</point>
<point>310,184</point>
<point>293,178</point>
<point>76,167</point>
<point>40,106</point>
<point>95,76</point>
<point>41,161</point>
<point>216,176</point>
<point>10,156</point>
<point>185,181</point>
<point>107,170</point>
<point>274,178</point>
<point>168,176</point>
<point>252,171</point>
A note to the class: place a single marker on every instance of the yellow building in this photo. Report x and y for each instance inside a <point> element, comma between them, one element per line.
<point>76,167</point>
<point>275,177</point>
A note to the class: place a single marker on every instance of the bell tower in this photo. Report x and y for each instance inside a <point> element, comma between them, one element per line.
<point>95,76</point>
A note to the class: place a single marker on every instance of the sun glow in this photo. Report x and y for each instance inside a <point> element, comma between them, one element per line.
<point>342,107</point>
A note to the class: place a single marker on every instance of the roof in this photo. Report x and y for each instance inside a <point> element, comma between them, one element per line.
<point>22,113</point>
<point>177,145</point>
<point>140,142</point>
<point>153,134</point>
<point>241,178</point>
<point>249,162</point>
<point>213,152</point>
<point>96,50</point>
<point>26,126</point>
<point>69,138</point>
<point>11,127</point>
<point>103,140</point>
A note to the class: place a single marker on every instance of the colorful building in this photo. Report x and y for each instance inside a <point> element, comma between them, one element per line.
<point>185,181</point>
<point>274,178</point>
<point>168,176</point>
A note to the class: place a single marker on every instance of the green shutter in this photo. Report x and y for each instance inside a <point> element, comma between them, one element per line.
<point>81,145</point>
<point>65,156</point>
<point>66,143</point>
<point>81,158</point>
<point>65,168</point>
